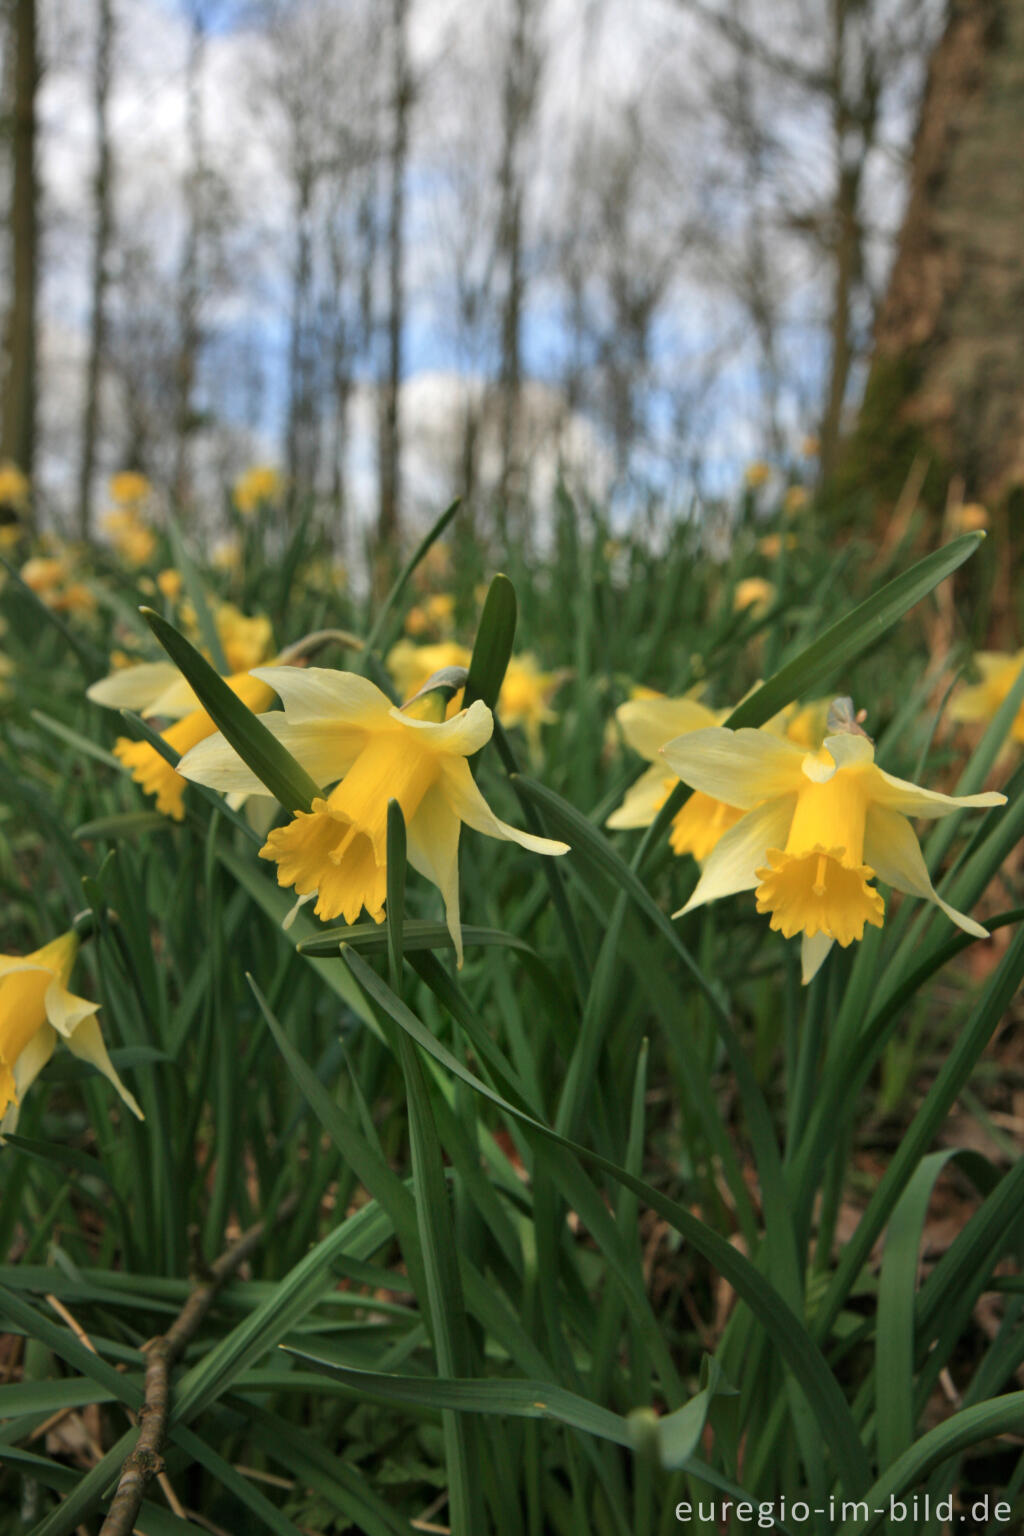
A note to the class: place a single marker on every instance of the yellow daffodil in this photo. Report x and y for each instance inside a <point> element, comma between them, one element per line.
<point>771,545</point>
<point>129,535</point>
<point>261,485</point>
<point>245,641</point>
<point>434,613</point>
<point>226,554</point>
<point>35,1008</point>
<point>14,487</point>
<point>757,474</point>
<point>157,689</point>
<point>969,519</point>
<point>795,499</point>
<point>169,583</point>
<point>525,695</point>
<point>413,665</point>
<point>44,573</point>
<point>129,488</point>
<point>980,701</point>
<point>810,447</point>
<point>755,593</point>
<point>346,732</point>
<point>75,598</point>
<point>650,722</point>
<point>819,827</point>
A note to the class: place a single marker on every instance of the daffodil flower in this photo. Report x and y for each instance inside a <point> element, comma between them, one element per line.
<point>819,828</point>
<point>35,1008</point>
<point>158,689</point>
<point>345,731</point>
<point>649,724</point>
<point>980,701</point>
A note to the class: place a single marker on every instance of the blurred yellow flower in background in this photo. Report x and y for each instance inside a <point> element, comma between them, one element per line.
<point>44,573</point>
<point>755,593</point>
<point>130,536</point>
<point>226,554</point>
<point>811,446</point>
<point>35,1008</point>
<point>413,665</point>
<point>525,697</point>
<point>129,488</point>
<point>245,641</point>
<point>972,518</point>
<point>170,583</point>
<point>259,486</point>
<point>795,499</point>
<point>757,474</point>
<point>771,545</point>
<point>434,613</point>
<point>14,487</point>
<point>978,702</point>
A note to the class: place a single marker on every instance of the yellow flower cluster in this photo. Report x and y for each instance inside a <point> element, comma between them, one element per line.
<point>259,486</point>
<point>52,579</point>
<point>14,487</point>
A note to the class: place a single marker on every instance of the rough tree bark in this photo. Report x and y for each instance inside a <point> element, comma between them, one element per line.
<point>946,375</point>
<point>18,415</point>
<point>91,422</point>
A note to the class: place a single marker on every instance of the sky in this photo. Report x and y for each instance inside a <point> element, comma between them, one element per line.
<point>600,56</point>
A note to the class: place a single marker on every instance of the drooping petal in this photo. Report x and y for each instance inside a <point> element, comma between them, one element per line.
<point>740,767</point>
<point>64,1010</point>
<point>733,863</point>
<point>642,800</point>
<point>914,800</point>
<point>26,1069</point>
<point>814,950</point>
<point>461,736</point>
<point>311,693</point>
<point>892,849</point>
<point>87,1042</point>
<point>469,805</point>
<point>648,724</point>
<point>433,845</point>
<point>138,687</point>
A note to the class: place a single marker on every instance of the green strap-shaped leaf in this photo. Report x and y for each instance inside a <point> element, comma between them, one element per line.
<point>492,648</point>
<point>272,763</point>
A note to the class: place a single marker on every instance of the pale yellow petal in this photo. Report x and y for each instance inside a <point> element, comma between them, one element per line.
<point>741,768</point>
<point>321,693</point>
<point>30,1062</point>
<point>733,863</point>
<point>648,724</point>
<point>914,800</point>
<point>461,736</point>
<point>469,805</point>
<point>433,834</point>
<point>87,1043</point>
<point>64,1010</point>
<point>137,687</point>
<point>892,850</point>
<point>642,800</point>
<point>814,950</point>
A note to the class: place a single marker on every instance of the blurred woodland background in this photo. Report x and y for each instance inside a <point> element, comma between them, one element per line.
<point>413,248</point>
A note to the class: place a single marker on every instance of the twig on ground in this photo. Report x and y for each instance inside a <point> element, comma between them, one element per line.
<point>162,1354</point>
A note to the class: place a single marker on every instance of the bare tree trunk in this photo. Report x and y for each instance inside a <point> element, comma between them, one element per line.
<point>17,427</point>
<point>189,280</point>
<point>300,403</point>
<point>388,519</point>
<point>946,373</point>
<point>519,97</point>
<point>91,423</point>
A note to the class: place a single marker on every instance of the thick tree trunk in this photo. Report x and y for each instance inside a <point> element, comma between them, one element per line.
<point>947,376</point>
<point>91,423</point>
<point>17,426</point>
